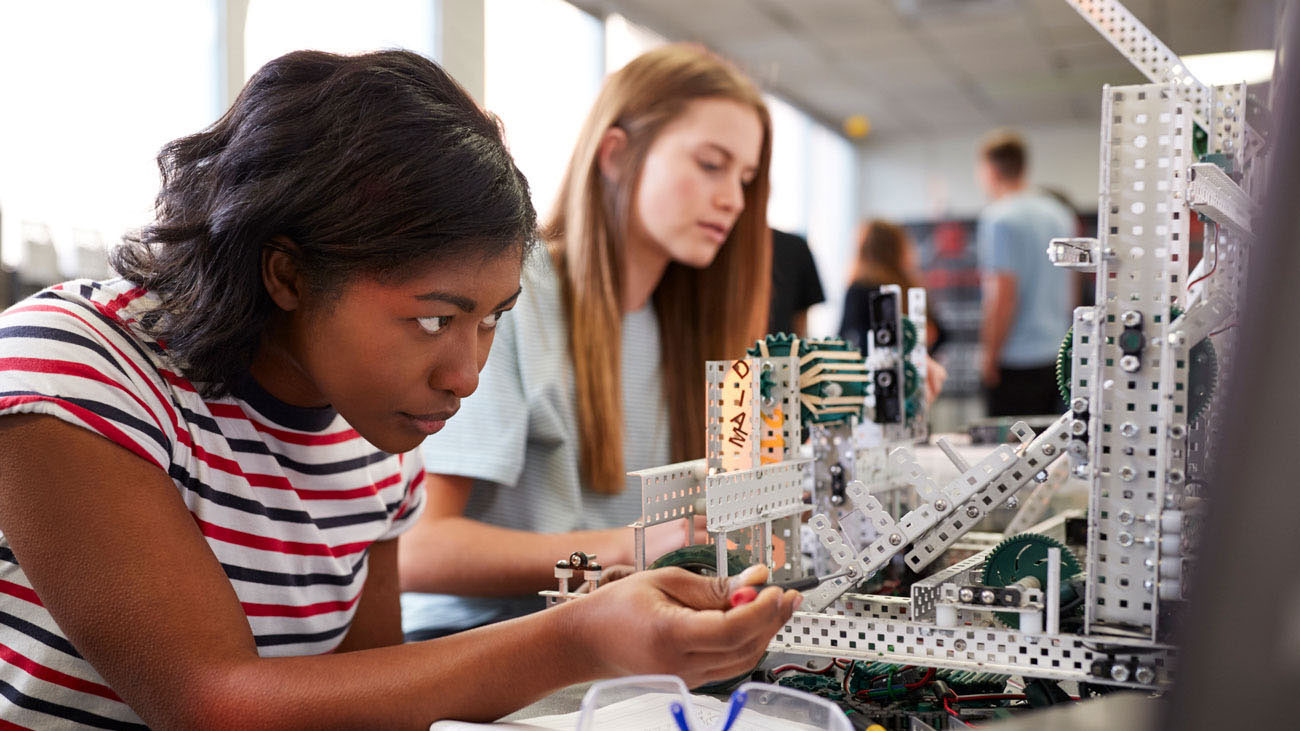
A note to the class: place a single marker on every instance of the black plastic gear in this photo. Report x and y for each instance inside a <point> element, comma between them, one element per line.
<point>1021,556</point>
<point>702,558</point>
<point>1202,371</point>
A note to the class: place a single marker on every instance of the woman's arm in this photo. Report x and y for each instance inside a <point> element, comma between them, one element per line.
<point>493,561</point>
<point>118,562</point>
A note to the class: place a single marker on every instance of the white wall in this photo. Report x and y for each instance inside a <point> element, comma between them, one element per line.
<point>934,179</point>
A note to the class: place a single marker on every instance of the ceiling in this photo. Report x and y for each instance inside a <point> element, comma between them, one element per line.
<point>953,65</point>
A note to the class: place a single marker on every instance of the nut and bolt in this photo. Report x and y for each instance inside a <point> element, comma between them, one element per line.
<point>1125,517</point>
<point>1128,429</point>
<point>966,595</point>
<point>895,539</point>
<point>1119,672</point>
<point>1049,449</point>
<point>972,511</point>
<point>1125,539</point>
<point>940,505</point>
<point>1078,427</point>
<point>1130,364</point>
<point>959,645</point>
<point>1079,405</point>
<point>1131,318</point>
<point>1127,473</point>
<point>1145,674</point>
<point>1013,502</point>
<point>1175,476</point>
<point>1177,431</point>
<point>1078,449</point>
<point>988,597</point>
<point>885,378</point>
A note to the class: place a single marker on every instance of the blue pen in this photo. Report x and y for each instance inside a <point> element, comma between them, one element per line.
<point>679,715</point>
<point>733,711</point>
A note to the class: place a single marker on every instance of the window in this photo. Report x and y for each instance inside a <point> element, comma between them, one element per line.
<point>542,71</point>
<point>92,92</point>
<point>275,27</point>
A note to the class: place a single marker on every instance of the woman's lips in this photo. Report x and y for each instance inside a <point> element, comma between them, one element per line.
<point>428,423</point>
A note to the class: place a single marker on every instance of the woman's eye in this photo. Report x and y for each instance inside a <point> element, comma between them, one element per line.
<point>433,324</point>
<point>709,166</point>
<point>491,320</point>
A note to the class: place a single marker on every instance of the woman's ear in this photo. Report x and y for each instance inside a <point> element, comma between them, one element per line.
<point>610,156</point>
<point>280,273</point>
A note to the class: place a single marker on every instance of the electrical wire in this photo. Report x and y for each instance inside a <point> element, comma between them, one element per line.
<point>829,669</point>
<point>1215,265</point>
<point>1225,327</point>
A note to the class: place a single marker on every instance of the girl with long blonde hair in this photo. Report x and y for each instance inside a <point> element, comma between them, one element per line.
<point>657,258</point>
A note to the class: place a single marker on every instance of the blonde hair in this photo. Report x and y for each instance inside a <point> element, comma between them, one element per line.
<point>710,313</point>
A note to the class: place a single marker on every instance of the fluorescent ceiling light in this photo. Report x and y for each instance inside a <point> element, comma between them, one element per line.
<point>1251,67</point>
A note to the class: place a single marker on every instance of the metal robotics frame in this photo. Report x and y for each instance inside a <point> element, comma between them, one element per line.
<point>1138,428</point>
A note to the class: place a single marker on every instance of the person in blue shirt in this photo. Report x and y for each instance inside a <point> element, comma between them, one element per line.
<point>1026,299</point>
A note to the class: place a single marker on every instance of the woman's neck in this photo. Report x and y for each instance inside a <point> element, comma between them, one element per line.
<point>644,265</point>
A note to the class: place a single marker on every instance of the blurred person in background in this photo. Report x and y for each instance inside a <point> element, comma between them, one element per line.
<point>1026,299</point>
<point>795,284</point>
<point>887,255</point>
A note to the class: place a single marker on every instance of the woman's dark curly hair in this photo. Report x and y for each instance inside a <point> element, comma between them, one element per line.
<point>371,165</point>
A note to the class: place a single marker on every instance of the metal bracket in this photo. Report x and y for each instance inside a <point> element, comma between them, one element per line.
<point>1213,194</point>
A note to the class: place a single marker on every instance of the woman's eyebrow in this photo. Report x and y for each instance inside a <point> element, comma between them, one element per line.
<point>464,303</point>
<point>509,300</point>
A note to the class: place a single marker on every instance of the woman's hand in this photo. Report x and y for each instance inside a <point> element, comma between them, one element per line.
<point>665,537</point>
<point>672,621</point>
<point>935,376</point>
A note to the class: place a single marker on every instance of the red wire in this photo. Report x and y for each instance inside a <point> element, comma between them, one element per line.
<point>1216,259</point>
<point>824,671</point>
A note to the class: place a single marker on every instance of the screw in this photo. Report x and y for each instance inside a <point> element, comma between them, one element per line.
<point>1079,405</point>
<point>1049,449</point>
<point>959,645</point>
<point>1013,502</point>
<point>972,511</point>
<point>885,378</point>
<point>1125,517</point>
<point>940,505</point>
<point>966,595</point>
<point>1132,318</point>
<point>1177,431</point>
<point>987,596</point>
<point>1145,674</point>
<point>1119,672</point>
<point>1125,539</point>
<point>895,539</point>
<point>1175,476</point>
<point>1130,363</point>
<point>1128,429</point>
<point>1127,473</point>
<point>884,337</point>
<point>1078,427</point>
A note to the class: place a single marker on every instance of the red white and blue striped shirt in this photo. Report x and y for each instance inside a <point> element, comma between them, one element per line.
<point>289,499</point>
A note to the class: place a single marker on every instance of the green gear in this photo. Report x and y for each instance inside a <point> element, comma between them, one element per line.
<point>1063,366</point>
<point>780,344</point>
<point>1025,555</point>
<point>909,336</point>
<point>1202,371</point>
<point>702,558</point>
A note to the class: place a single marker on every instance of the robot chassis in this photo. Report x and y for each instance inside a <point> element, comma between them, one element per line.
<point>1130,432</point>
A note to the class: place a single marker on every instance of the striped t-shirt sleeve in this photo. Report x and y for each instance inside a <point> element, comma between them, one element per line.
<point>52,347</point>
<point>412,505</point>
